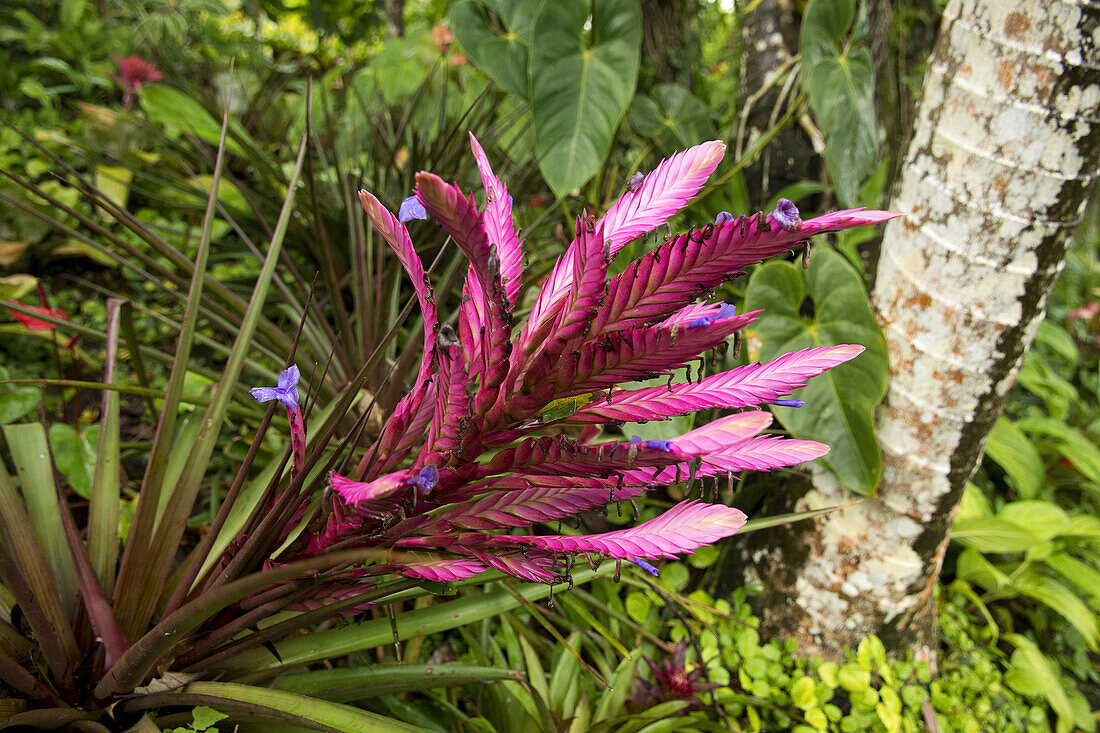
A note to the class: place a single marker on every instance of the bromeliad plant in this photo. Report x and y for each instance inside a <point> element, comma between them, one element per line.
<point>500,431</point>
<point>488,412</point>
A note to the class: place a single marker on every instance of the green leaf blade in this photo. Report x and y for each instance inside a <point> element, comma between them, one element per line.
<point>840,403</point>
<point>581,84</point>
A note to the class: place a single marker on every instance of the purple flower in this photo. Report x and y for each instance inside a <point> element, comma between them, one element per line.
<point>662,445</point>
<point>411,208</point>
<point>789,403</point>
<point>786,215</point>
<point>724,311</point>
<point>723,217</point>
<point>426,480</point>
<point>645,566</point>
<point>286,392</point>
<point>635,182</point>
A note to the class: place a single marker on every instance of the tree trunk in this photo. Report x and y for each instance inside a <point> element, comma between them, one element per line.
<point>395,18</point>
<point>994,182</point>
<point>670,46</point>
<point>768,33</point>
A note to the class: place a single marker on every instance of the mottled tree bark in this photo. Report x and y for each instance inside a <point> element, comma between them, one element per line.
<point>996,177</point>
<point>395,18</point>
<point>769,32</point>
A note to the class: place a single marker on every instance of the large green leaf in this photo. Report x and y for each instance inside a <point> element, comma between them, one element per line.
<point>331,715</point>
<point>1031,673</point>
<point>1079,573</point>
<point>672,116</point>
<point>839,403</point>
<point>840,81</point>
<point>496,36</point>
<point>1044,519</point>
<point>583,66</point>
<point>16,400</point>
<point>180,113</point>
<point>1010,449</point>
<point>74,452</point>
<point>1034,584</point>
<point>1074,446</point>
<point>993,534</point>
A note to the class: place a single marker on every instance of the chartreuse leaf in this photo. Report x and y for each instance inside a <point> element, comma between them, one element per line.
<point>256,664</point>
<point>360,683</point>
<point>31,455</point>
<point>1081,452</point>
<point>993,534</point>
<point>333,715</point>
<point>972,566</point>
<point>1081,574</point>
<point>583,65</point>
<point>1010,449</point>
<point>840,402</point>
<point>1059,598</point>
<point>502,54</point>
<point>840,81</point>
<point>1031,673</point>
<point>1044,519</point>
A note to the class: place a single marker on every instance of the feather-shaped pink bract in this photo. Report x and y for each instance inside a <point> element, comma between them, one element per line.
<point>486,392</point>
<point>682,528</point>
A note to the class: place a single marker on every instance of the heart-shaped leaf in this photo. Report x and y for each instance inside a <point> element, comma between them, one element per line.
<point>840,81</point>
<point>672,116</point>
<point>75,455</point>
<point>825,306</point>
<point>496,36</point>
<point>583,66</point>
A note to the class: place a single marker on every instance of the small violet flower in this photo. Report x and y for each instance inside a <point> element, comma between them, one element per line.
<point>426,480</point>
<point>645,566</point>
<point>635,182</point>
<point>789,403</point>
<point>286,392</point>
<point>724,311</point>
<point>411,208</point>
<point>662,445</point>
<point>723,217</point>
<point>786,215</point>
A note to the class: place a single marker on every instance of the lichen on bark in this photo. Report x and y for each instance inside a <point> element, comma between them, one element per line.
<point>996,177</point>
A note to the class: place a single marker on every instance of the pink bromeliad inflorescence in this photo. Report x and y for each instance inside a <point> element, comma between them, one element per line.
<point>478,446</point>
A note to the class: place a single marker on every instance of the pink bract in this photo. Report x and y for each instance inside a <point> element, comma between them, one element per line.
<point>502,417</point>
